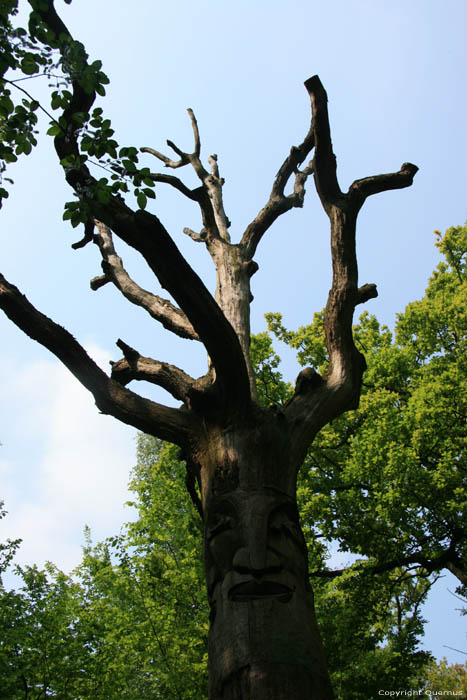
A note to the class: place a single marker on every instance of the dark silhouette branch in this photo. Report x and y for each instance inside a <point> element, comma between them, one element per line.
<point>134,366</point>
<point>359,190</point>
<point>177,184</point>
<point>111,398</point>
<point>324,160</point>
<point>160,309</point>
<point>445,560</point>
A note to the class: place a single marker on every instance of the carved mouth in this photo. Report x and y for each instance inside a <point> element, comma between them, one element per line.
<point>255,590</point>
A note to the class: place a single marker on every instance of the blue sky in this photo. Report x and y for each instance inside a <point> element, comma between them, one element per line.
<point>395,74</point>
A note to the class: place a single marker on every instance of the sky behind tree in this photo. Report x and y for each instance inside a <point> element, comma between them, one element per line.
<point>395,74</point>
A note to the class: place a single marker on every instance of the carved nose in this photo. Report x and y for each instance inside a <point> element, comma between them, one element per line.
<point>256,560</point>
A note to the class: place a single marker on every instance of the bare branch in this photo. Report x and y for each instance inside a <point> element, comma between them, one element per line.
<point>198,237</point>
<point>212,160</point>
<point>88,235</point>
<point>290,165</point>
<point>111,398</point>
<point>185,158</point>
<point>209,196</point>
<point>318,399</point>
<point>134,366</point>
<point>324,161</point>
<point>213,184</point>
<point>169,163</point>
<point>194,124</point>
<point>346,363</point>
<point>366,292</point>
<point>98,282</point>
<point>177,183</point>
<point>275,207</point>
<point>162,310</point>
<point>278,202</point>
<point>361,189</point>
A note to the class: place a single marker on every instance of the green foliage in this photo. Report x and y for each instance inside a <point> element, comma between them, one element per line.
<point>444,678</point>
<point>308,340</point>
<point>131,622</point>
<point>42,650</point>
<point>387,482</point>
<point>269,382</point>
<point>37,52</point>
<point>7,549</point>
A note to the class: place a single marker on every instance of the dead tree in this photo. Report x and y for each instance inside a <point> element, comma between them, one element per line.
<point>244,458</point>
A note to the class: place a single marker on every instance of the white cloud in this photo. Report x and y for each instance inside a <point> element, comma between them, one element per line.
<point>63,466</point>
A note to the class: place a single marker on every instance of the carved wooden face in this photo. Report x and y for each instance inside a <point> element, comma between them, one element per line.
<point>254,547</point>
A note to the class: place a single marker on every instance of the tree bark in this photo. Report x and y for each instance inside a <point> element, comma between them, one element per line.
<point>263,641</point>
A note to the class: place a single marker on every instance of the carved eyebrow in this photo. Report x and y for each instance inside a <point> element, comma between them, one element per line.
<point>222,508</point>
<point>288,509</point>
<point>219,524</point>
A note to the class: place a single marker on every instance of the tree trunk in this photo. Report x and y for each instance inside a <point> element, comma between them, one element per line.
<point>263,639</point>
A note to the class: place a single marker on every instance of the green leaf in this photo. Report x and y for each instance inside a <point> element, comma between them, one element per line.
<point>54,130</point>
<point>103,196</point>
<point>29,68</point>
<point>6,105</point>
<point>142,200</point>
<point>129,165</point>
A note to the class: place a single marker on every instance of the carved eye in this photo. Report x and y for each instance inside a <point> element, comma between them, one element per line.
<point>281,522</point>
<point>222,523</point>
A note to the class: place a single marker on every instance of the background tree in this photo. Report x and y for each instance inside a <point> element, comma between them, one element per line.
<point>132,620</point>
<point>243,458</point>
<point>444,677</point>
<point>401,456</point>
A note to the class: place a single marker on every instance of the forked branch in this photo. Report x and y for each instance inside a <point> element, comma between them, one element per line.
<point>185,158</point>
<point>346,363</point>
<point>134,366</point>
<point>279,203</point>
<point>339,390</point>
<point>209,196</point>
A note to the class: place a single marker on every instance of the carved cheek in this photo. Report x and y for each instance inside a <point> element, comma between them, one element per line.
<point>222,548</point>
<point>285,539</point>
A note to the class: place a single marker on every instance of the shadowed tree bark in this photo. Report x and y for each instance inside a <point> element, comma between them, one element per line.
<point>244,459</point>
